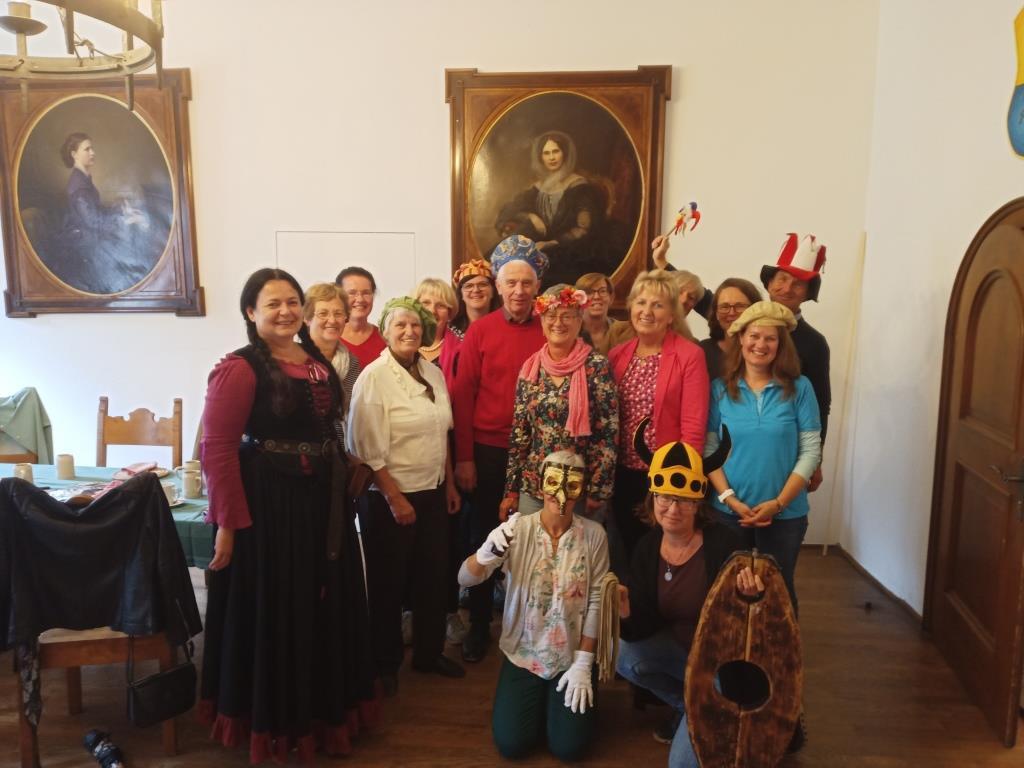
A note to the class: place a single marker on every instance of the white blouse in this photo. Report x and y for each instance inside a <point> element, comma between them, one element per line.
<point>552,599</point>
<point>393,423</point>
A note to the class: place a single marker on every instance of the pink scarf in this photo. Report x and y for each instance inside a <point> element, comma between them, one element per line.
<point>578,423</point>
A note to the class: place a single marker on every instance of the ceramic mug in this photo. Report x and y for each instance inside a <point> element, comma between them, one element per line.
<point>65,466</point>
<point>192,465</point>
<point>170,491</point>
<point>24,471</point>
<point>192,483</point>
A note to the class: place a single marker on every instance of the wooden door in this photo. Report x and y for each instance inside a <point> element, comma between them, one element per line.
<point>975,582</point>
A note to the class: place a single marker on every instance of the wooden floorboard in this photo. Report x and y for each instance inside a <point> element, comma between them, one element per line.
<point>877,695</point>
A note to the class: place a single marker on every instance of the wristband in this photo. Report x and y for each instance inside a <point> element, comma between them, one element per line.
<point>726,494</point>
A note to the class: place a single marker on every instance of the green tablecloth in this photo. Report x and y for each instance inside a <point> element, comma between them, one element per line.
<point>196,536</point>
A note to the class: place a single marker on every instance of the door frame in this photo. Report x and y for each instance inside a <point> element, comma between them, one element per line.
<point>948,355</point>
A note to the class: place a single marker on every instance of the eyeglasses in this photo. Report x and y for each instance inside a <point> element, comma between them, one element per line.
<point>359,294</point>
<point>476,287</point>
<point>665,501</point>
<point>598,292</point>
<point>324,315</point>
<point>561,317</point>
<point>727,308</point>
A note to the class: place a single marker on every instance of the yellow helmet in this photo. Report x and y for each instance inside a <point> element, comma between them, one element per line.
<point>677,469</point>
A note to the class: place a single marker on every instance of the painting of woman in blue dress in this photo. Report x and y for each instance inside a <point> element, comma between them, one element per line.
<point>96,238</point>
<point>575,189</point>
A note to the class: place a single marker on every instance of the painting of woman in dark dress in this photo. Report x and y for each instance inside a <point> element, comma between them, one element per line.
<point>582,196</point>
<point>96,242</point>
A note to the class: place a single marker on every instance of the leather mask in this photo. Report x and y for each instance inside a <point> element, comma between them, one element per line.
<point>563,482</point>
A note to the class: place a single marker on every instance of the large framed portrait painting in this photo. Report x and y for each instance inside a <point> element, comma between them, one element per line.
<point>97,199</point>
<point>572,160</point>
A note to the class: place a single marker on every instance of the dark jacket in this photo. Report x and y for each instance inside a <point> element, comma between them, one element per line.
<point>813,352</point>
<point>645,572</point>
<point>116,563</point>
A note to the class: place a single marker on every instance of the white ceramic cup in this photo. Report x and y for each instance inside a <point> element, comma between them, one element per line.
<point>65,466</point>
<point>192,483</point>
<point>24,471</point>
<point>170,491</point>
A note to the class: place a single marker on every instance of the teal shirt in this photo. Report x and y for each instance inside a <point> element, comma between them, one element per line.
<point>765,433</point>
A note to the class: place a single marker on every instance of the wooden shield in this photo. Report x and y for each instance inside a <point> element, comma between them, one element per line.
<point>752,727</point>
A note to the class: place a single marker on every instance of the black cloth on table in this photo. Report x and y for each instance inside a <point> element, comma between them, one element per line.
<point>115,563</point>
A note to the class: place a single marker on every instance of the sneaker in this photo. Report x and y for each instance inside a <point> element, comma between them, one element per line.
<point>407,627</point>
<point>456,629</point>
<point>665,732</point>
<point>441,666</point>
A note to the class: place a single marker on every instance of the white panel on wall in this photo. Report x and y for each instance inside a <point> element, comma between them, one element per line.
<point>317,257</point>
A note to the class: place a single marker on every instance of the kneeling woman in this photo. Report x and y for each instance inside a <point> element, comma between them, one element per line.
<point>672,568</point>
<point>555,562</point>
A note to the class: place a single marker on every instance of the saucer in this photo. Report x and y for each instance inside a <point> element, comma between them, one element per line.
<point>177,502</point>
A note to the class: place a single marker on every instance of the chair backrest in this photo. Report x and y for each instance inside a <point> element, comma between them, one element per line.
<point>142,427</point>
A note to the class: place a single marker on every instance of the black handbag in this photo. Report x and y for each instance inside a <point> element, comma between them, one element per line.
<point>162,695</point>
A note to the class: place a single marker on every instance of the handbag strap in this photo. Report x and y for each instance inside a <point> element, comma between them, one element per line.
<point>188,645</point>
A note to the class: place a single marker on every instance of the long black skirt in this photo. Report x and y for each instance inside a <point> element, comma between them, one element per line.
<point>287,662</point>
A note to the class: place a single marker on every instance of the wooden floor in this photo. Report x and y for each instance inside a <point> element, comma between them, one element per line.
<point>877,694</point>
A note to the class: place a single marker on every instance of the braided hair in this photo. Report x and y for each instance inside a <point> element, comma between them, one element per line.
<point>281,401</point>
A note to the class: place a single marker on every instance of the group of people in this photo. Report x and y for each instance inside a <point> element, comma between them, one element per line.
<point>525,429</point>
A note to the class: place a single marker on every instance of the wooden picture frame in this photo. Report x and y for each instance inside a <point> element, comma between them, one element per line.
<point>596,206</point>
<point>105,223</point>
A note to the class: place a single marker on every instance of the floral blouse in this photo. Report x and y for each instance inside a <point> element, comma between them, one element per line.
<point>553,598</point>
<point>636,392</point>
<point>538,428</point>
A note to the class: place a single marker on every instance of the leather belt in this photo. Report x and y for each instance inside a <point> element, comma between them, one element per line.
<point>336,516</point>
<point>275,445</point>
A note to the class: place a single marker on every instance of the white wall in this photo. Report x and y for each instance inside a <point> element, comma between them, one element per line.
<point>941,164</point>
<point>330,116</point>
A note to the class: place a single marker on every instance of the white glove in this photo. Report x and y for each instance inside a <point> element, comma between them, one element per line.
<point>579,691</point>
<point>495,547</point>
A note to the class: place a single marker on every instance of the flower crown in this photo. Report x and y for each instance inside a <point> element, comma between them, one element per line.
<point>567,297</point>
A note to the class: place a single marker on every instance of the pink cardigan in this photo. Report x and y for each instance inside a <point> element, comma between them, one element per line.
<point>682,390</point>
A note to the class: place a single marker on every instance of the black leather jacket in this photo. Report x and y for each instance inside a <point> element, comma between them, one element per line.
<point>116,563</point>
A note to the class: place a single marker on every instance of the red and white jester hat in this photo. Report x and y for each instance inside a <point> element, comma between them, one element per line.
<point>803,258</point>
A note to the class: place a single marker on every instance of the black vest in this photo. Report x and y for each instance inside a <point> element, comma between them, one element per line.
<point>303,423</point>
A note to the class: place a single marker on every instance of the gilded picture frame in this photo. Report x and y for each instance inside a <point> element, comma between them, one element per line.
<point>572,160</point>
<point>97,206</point>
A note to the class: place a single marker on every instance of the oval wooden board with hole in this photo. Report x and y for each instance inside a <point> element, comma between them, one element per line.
<point>750,722</point>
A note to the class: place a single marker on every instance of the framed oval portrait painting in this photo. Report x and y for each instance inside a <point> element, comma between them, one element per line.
<point>570,160</point>
<point>97,198</point>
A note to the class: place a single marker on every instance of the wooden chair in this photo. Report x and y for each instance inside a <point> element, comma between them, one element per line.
<point>70,650</point>
<point>142,427</point>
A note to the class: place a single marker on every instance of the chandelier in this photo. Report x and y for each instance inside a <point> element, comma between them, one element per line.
<point>84,61</point>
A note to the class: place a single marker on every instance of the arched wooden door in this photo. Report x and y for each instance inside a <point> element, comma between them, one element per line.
<point>975,583</point>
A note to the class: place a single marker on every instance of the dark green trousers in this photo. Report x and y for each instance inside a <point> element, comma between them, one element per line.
<point>526,707</point>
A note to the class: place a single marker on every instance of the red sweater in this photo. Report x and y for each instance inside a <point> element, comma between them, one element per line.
<point>369,350</point>
<point>483,398</point>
